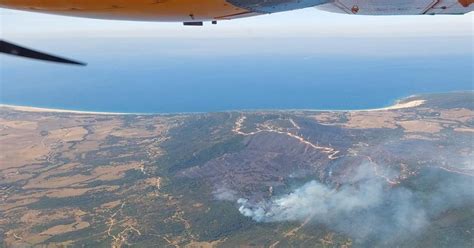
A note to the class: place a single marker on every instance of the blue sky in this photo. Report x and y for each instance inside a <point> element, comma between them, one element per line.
<point>301,23</point>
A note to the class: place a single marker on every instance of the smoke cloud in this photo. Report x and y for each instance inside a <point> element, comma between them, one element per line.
<point>366,208</point>
<point>225,194</point>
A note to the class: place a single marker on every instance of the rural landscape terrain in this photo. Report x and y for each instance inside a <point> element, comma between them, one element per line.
<point>401,176</point>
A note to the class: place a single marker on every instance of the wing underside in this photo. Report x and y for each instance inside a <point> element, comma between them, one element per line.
<point>206,10</point>
<point>399,7</point>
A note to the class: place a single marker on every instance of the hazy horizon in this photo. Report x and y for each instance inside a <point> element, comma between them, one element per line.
<point>298,59</point>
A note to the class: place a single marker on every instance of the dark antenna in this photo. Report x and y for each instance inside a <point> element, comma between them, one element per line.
<point>16,50</point>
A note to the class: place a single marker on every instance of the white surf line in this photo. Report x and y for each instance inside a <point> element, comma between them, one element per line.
<point>66,111</point>
<point>328,150</point>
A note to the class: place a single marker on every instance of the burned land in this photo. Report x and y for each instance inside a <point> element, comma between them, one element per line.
<point>394,177</point>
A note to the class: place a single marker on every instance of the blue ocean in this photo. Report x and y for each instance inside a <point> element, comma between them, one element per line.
<point>170,76</point>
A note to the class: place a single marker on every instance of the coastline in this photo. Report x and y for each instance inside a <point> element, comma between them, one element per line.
<point>66,111</point>
<point>399,105</point>
<point>395,106</point>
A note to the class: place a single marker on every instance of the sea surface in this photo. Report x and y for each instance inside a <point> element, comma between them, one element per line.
<point>170,77</point>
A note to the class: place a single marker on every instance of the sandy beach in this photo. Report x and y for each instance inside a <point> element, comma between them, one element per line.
<point>49,110</point>
<point>410,104</point>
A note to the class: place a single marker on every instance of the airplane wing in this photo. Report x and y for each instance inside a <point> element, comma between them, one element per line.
<point>197,11</point>
<point>399,7</point>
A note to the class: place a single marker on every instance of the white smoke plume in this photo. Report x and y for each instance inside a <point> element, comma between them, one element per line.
<point>366,208</point>
<point>225,194</point>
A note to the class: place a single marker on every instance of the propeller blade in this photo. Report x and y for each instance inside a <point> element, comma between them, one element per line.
<point>12,49</point>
